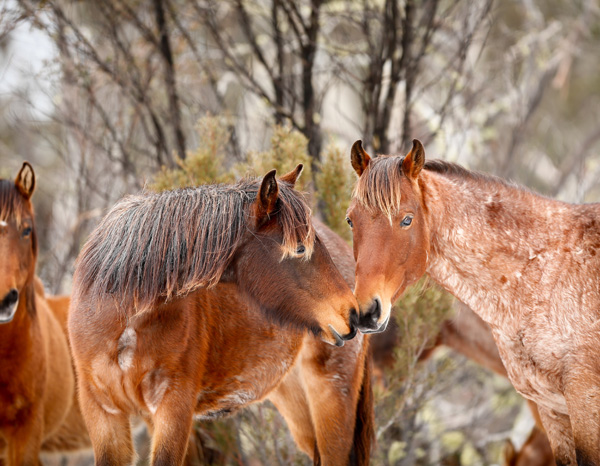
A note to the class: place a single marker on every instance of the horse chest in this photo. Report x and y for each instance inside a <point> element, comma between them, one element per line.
<point>535,374</point>
<point>15,406</point>
<point>249,380</point>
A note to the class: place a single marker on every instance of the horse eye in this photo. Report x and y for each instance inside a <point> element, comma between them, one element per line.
<point>26,232</point>
<point>349,222</point>
<point>406,221</point>
<point>300,250</point>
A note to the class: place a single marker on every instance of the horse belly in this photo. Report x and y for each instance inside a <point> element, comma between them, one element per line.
<point>252,384</point>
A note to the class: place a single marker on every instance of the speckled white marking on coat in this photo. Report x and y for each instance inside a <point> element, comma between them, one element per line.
<point>110,410</point>
<point>126,347</point>
<point>154,394</point>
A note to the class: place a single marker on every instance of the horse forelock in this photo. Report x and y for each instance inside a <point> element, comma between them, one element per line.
<point>160,246</point>
<point>12,203</point>
<point>14,206</point>
<point>379,187</point>
<point>295,217</point>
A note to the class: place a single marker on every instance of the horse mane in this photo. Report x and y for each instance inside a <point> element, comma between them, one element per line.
<point>378,189</point>
<point>14,205</point>
<point>455,170</point>
<point>164,245</point>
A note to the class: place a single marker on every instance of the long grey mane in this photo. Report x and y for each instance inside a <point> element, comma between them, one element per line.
<point>165,245</point>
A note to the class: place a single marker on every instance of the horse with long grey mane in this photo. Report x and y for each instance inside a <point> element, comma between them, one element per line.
<point>204,300</point>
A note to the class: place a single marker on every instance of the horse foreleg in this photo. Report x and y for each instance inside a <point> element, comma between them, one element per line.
<point>583,401</point>
<point>332,401</point>
<point>558,428</point>
<point>24,446</point>
<point>290,400</point>
<point>109,430</point>
<point>172,423</point>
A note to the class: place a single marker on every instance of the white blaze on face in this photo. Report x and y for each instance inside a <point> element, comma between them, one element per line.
<point>3,224</point>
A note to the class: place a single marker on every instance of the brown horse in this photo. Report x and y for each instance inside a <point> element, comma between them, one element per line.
<point>37,385</point>
<point>534,452</point>
<point>527,265</point>
<point>176,302</point>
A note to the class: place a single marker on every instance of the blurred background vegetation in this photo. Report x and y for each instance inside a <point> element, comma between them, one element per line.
<point>110,97</point>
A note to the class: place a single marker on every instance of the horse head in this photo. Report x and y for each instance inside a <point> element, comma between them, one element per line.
<point>390,234</point>
<point>283,266</point>
<point>18,247</point>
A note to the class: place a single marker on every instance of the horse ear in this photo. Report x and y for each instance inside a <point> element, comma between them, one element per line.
<point>25,180</point>
<point>360,159</point>
<point>414,160</point>
<point>267,197</point>
<point>292,176</point>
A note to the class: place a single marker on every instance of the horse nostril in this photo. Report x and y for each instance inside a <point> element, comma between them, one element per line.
<point>11,298</point>
<point>370,318</point>
<point>375,310</point>
<point>354,322</point>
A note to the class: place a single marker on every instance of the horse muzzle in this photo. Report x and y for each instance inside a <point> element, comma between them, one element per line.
<point>8,306</point>
<point>340,340</point>
<point>368,321</point>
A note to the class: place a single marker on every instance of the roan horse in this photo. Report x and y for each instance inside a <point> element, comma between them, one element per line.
<point>174,300</point>
<point>527,265</point>
<point>38,407</point>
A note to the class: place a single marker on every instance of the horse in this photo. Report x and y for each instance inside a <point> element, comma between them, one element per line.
<point>526,264</point>
<point>467,334</point>
<point>534,452</point>
<point>205,300</point>
<point>38,409</point>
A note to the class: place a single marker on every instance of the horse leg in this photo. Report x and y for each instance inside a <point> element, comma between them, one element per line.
<point>172,423</point>
<point>558,428</point>
<point>332,390</point>
<point>109,430</point>
<point>24,446</point>
<point>290,400</point>
<point>583,402</point>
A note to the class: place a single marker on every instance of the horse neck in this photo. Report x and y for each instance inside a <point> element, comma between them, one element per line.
<point>488,239</point>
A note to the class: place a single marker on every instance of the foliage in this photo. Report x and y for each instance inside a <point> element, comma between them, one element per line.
<point>334,189</point>
<point>419,315</point>
<point>203,165</point>
<point>288,149</point>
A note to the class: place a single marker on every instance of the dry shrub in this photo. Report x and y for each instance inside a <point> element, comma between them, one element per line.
<point>334,189</point>
<point>288,149</point>
<point>205,164</point>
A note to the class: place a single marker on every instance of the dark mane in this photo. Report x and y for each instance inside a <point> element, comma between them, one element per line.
<point>378,189</point>
<point>158,246</point>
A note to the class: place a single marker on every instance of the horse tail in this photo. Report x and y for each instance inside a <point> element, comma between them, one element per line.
<point>364,427</point>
